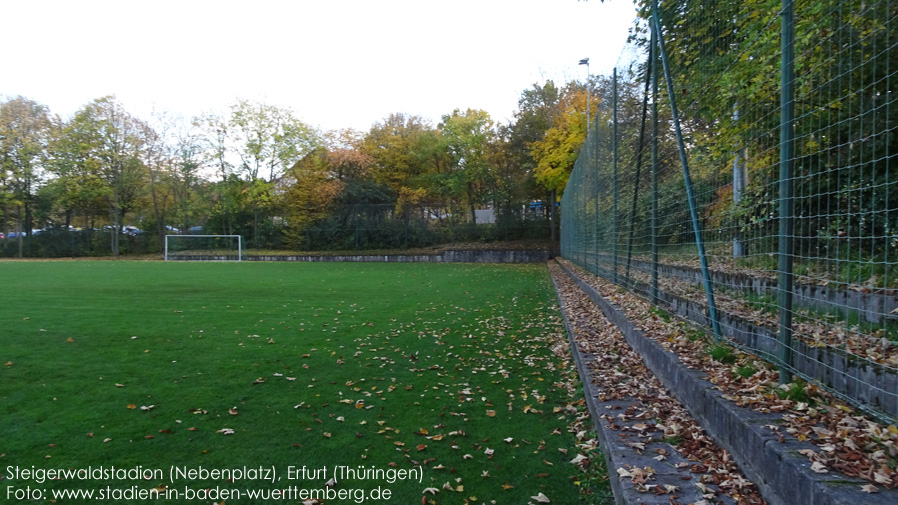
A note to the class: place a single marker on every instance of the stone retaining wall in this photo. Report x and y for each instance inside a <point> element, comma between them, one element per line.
<point>448,256</point>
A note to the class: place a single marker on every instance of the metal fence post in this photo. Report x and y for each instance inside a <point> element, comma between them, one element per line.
<point>645,103</point>
<point>786,190</point>
<point>654,224</point>
<point>614,175</point>
<point>739,182</point>
<point>706,274</point>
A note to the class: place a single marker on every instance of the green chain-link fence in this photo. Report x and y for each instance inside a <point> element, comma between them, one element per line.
<point>781,175</point>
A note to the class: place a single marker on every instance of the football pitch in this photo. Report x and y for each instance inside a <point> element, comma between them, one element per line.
<point>287,383</point>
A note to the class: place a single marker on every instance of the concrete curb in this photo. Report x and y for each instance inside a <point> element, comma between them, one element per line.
<point>619,455</point>
<point>783,475</point>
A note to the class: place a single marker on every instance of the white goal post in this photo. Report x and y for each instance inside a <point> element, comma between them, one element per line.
<point>203,248</point>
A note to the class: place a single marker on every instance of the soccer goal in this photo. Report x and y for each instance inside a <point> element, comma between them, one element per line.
<point>203,248</point>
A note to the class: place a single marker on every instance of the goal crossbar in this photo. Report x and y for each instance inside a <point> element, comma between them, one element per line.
<point>213,257</point>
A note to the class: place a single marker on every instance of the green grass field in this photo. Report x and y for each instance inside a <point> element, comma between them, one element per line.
<point>442,369</point>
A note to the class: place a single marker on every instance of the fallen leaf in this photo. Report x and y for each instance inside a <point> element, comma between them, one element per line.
<point>869,488</point>
<point>881,478</point>
<point>540,498</point>
<point>819,467</point>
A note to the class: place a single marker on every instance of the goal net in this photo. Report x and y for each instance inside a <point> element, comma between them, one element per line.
<point>203,248</point>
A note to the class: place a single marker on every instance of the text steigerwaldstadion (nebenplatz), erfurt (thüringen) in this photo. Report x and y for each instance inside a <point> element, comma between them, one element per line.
<point>202,473</point>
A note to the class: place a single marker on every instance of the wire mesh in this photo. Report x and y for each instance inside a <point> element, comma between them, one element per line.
<point>726,72</point>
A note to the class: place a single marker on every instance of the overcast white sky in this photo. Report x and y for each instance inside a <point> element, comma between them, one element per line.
<point>335,63</point>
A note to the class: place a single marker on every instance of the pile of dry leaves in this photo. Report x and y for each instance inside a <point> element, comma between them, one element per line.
<point>847,441</point>
<point>618,371</point>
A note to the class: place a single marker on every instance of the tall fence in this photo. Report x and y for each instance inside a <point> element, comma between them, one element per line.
<point>739,172</point>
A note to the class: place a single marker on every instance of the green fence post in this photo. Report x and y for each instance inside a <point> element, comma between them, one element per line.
<point>786,189</point>
<point>706,274</point>
<point>614,234</point>
<point>654,224</point>
<point>645,103</point>
<point>594,167</point>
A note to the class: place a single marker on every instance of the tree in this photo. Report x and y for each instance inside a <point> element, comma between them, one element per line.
<point>267,140</point>
<point>104,143</point>
<point>214,139</point>
<point>308,198</point>
<point>345,154</point>
<point>391,145</point>
<point>536,109</point>
<point>467,137</point>
<point>26,131</point>
<point>185,176</point>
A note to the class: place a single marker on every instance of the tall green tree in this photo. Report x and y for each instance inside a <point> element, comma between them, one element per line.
<point>267,140</point>
<point>213,136</point>
<point>26,131</point>
<point>105,144</point>
<point>467,136</point>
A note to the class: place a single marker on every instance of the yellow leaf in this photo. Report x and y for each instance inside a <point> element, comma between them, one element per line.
<point>132,406</point>
<point>491,413</point>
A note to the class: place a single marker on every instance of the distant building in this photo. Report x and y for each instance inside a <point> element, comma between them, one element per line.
<point>484,216</point>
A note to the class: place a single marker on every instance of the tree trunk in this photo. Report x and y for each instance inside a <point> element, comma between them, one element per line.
<point>19,230</point>
<point>256,224</point>
<point>160,223</point>
<point>115,232</point>
<point>552,233</point>
<point>471,204</point>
